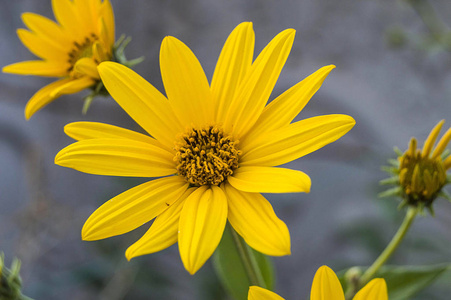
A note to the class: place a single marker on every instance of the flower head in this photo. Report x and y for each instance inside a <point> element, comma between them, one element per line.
<point>216,147</point>
<point>70,49</point>
<point>327,286</point>
<point>421,173</point>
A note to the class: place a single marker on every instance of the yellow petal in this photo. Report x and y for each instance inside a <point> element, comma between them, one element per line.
<point>326,285</point>
<point>47,30</point>
<point>117,157</point>
<point>376,289</point>
<point>145,104</point>
<point>185,83</point>
<point>86,66</point>
<point>447,163</point>
<point>66,14</point>
<point>253,217</point>
<point>88,11</point>
<point>133,208</point>
<point>41,48</point>
<point>99,52</point>
<point>201,226</point>
<point>233,64</point>
<point>441,146</point>
<point>94,130</point>
<point>282,110</point>
<point>38,68</point>
<point>430,141</point>
<point>256,88</point>
<point>73,86</point>
<point>107,16</point>
<point>258,293</point>
<point>163,233</point>
<point>295,140</point>
<point>269,180</point>
<point>42,97</point>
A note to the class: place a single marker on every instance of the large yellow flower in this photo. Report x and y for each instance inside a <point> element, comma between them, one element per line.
<point>216,144</point>
<point>326,286</point>
<point>70,50</point>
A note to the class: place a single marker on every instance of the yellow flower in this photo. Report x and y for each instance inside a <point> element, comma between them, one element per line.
<point>421,173</point>
<point>216,147</point>
<point>70,50</point>
<point>326,286</point>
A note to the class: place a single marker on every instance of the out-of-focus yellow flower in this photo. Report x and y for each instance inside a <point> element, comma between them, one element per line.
<point>421,173</point>
<point>218,146</point>
<point>70,49</point>
<point>326,286</point>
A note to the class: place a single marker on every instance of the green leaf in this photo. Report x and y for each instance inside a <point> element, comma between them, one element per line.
<point>229,267</point>
<point>403,282</point>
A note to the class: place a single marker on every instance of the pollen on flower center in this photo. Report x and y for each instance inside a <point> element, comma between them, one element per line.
<point>80,50</point>
<point>206,156</point>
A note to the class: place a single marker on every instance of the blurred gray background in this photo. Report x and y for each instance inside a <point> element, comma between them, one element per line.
<point>393,76</point>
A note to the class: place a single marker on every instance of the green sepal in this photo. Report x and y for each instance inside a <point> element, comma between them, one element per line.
<point>398,151</point>
<point>394,162</point>
<point>390,180</point>
<point>229,268</point>
<point>396,191</point>
<point>404,282</point>
<point>391,170</point>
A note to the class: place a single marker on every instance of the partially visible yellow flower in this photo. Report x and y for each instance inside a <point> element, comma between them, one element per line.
<point>421,173</point>
<point>258,293</point>
<point>216,146</point>
<point>70,49</point>
<point>326,286</point>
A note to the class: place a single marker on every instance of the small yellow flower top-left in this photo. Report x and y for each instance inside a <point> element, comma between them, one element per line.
<point>69,49</point>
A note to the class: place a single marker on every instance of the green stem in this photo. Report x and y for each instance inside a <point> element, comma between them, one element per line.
<point>391,247</point>
<point>248,259</point>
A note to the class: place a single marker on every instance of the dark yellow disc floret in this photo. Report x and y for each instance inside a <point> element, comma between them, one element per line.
<point>206,156</point>
<point>80,50</point>
<point>421,177</point>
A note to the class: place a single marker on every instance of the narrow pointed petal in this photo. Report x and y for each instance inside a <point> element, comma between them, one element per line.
<point>326,285</point>
<point>430,141</point>
<point>253,217</point>
<point>442,144</point>
<point>86,67</point>
<point>144,103</point>
<point>47,30</point>
<point>73,86</point>
<point>295,140</point>
<point>282,110</point>
<point>37,68</point>
<point>269,180</point>
<point>94,130</point>
<point>163,233</point>
<point>106,11</point>
<point>201,226</point>
<point>42,97</point>
<point>133,208</point>
<point>117,157</point>
<point>233,64</point>
<point>376,289</point>
<point>99,52</point>
<point>256,88</point>
<point>40,47</point>
<point>66,14</point>
<point>185,83</point>
<point>447,163</point>
<point>258,293</point>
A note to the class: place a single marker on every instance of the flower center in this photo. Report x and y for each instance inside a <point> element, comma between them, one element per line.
<point>421,178</point>
<point>80,50</point>
<point>206,156</point>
